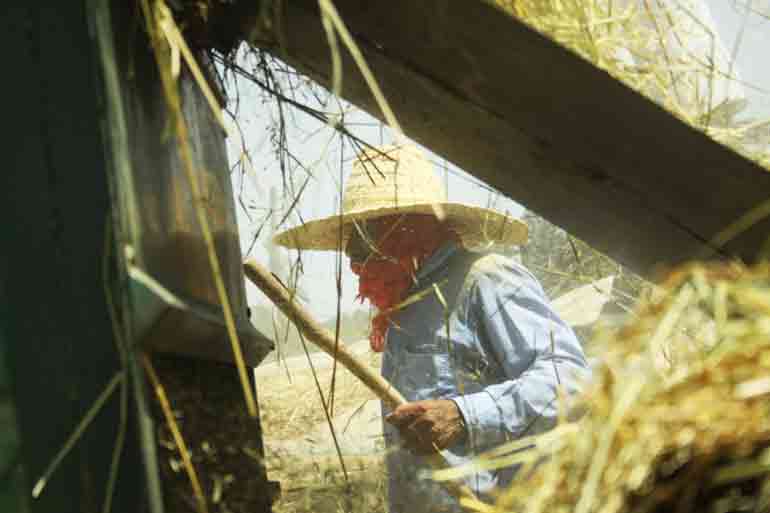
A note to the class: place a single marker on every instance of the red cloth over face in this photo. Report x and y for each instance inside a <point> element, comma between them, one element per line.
<point>403,243</point>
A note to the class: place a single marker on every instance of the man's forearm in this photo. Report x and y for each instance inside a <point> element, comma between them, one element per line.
<point>515,408</point>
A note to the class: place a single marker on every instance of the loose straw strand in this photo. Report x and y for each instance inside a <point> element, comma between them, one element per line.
<point>77,433</point>
<point>330,12</point>
<point>160,393</point>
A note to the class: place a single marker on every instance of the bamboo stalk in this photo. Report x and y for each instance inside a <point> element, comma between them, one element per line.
<point>324,339</point>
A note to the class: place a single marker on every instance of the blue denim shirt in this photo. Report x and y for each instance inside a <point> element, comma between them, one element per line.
<point>485,336</point>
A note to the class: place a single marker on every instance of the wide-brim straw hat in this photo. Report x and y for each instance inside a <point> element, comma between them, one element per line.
<point>400,180</point>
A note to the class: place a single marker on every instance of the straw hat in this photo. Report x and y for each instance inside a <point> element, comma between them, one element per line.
<point>400,180</point>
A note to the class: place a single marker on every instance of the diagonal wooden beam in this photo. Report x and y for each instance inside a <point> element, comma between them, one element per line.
<point>539,124</point>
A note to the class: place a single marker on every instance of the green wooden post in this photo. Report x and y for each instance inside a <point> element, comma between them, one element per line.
<point>12,478</point>
<point>54,202</point>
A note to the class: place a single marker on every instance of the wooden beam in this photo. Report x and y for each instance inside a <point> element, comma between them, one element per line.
<point>539,124</point>
<point>180,312</point>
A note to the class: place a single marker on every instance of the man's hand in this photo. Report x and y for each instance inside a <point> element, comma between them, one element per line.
<point>428,426</point>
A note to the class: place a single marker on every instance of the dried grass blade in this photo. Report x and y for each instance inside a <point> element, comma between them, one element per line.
<point>330,11</point>
<point>510,454</point>
<point>77,433</point>
<point>120,348</point>
<point>746,221</point>
<point>178,45</point>
<point>595,471</point>
<point>160,393</point>
<point>667,324</point>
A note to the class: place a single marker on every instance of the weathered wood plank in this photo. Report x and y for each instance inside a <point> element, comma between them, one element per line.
<point>159,208</point>
<point>540,124</point>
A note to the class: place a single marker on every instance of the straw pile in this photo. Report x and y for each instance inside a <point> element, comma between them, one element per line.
<point>299,451</point>
<point>678,419</point>
<point>663,49</point>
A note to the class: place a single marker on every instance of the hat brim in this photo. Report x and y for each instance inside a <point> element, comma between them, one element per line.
<point>477,227</point>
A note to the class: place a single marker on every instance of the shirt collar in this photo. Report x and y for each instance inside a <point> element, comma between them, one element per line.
<point>436,260</point>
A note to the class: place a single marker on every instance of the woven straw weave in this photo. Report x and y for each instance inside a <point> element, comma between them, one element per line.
<point>400,180</point>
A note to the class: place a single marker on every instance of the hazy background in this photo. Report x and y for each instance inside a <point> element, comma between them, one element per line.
<point>745,23</point>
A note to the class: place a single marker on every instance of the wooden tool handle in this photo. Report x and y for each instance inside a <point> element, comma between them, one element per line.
<point>324,339</point>
<point>319,335</point>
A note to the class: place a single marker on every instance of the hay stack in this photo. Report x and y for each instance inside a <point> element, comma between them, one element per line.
<point>679,417</point>
<point>664,49</point>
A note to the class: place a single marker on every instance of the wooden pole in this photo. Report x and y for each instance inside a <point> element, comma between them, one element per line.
<point>323,338</point>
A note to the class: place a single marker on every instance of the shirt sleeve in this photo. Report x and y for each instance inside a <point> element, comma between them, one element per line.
<point>537,352</point>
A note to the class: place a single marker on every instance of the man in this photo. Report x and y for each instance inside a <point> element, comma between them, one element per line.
<point>468,336</point>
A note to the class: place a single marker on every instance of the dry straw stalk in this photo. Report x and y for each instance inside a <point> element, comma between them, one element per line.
<point>664,50</point>
<point>683,427</point>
